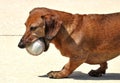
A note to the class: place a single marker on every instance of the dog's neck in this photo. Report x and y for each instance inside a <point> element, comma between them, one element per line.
<point>70,23</point>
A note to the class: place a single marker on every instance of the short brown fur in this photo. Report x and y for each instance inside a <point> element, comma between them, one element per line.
<point>92,38</point>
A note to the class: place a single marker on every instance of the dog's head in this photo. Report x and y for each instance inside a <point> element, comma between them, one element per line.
<point>40,25</point>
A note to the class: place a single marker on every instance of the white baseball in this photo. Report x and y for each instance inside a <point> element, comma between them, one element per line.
<point>36,48</point>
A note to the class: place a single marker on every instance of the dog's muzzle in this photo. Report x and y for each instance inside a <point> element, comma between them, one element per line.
<point>46,42</point>
<point>21,44</point>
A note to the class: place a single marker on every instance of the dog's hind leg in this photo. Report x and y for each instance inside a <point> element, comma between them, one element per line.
<point>101,70</point>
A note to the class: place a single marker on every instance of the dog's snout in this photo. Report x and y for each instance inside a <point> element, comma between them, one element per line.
<point>21,44</point>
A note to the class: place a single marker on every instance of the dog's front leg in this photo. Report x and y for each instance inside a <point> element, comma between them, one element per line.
<point>67,69</point>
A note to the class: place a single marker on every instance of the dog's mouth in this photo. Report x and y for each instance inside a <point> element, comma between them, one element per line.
<point>46,42</point>
<point>23,45</point>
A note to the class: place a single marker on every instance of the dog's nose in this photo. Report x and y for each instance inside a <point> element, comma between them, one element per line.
<point>21,44</point>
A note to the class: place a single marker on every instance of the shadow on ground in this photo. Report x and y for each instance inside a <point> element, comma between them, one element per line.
<point>82,76</point>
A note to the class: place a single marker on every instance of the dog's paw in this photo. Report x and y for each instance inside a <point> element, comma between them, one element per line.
<point>96,73</point>
<point>55,74</point>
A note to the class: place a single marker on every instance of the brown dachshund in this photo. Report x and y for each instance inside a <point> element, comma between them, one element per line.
<point>92,38</point>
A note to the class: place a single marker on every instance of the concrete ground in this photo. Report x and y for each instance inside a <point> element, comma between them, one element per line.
<point>17,66</point>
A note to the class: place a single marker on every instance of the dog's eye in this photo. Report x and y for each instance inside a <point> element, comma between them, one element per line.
<point>33,28</point>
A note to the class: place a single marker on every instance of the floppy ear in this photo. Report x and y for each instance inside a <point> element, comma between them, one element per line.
<point>52,26</point>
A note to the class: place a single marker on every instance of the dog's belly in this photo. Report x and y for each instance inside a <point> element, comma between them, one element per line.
<point>104,51</point>
<point>97,58</point>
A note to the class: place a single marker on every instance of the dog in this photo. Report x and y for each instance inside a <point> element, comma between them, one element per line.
<point>84,38</point>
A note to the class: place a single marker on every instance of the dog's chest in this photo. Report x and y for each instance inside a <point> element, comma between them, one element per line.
<point>67,48</point>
